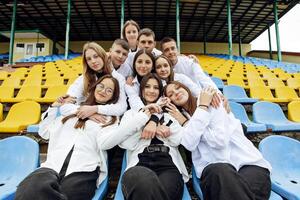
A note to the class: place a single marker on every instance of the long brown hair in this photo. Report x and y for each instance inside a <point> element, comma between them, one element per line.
<point>91,100</point>
<point>140,52</point>
<point>191,104</point>
<point>127,23</point>
<point>171,76</point>
<point>144,82</point>
<point>89,75</point>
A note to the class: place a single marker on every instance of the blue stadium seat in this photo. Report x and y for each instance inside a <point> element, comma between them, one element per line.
<point>198,191</point>
<point>237,94</point>
<point>283,154</point>
<point>219,83</point>
<point>19,157</point>
<point>240,113</point>
<point>101,190</point>
<point>119,194</point>
<point>271,114</point>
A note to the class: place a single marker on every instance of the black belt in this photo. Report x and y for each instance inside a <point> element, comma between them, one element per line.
<point>157,148</point>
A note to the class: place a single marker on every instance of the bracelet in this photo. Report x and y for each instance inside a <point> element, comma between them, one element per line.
<point>206,106</point>
<point>184,122</point>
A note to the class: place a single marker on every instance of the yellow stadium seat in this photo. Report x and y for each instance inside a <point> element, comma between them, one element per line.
<point>20,72</point>
<point>237,81</point>
<point>286,93</point>
<point>70,75</point>
<point>53,81</point>
<point>256,82</point>
<point>220,74</point>
<point>252,75</point>
<point>274,83</point>
<point>6,92</point>
<point>269,75</point>
<point>3,75</point>
<point>32,80</point>
<point>293,83</point>
<point>20,116</point>
<point>294,111</point>
<point>1,111</point>
<point>53,93</point>
<point>31,92</point>
<point>264,94</point>
<point>297,75</point>
<point>71,80</point>
<point>12,81</point>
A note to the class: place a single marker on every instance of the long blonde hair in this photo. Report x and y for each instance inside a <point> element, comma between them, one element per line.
<point>89,75</point>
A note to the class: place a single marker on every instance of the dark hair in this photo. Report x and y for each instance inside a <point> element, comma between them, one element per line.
<point>144,82</point>
<point>127,23</point>
<point>191,104</point>
<point>123,43</point>
<point>91,100</point>
<point>147,32</point>
<point>165,40</point>
<point>140,52</point>
<point>171,77</point>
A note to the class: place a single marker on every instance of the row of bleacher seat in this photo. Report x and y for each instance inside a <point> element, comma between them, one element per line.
<point>49,58</point>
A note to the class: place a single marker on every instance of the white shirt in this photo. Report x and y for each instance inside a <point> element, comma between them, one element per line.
<point>195,89</point>
<point>133,93</point>
<point>88,153</point>
<point>132,124</point>
<point>117,109</point>
<point>215,137</point>
<point>125,70</point>
<point>193,70</point>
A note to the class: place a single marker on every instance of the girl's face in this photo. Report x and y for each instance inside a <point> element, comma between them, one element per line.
<point>131,34</point>
<point>143,65</point>
<point>94,61</point>
<point>177,94</point>
<point>104,90</point>
<point>162,68</point>
<point>151,91</point>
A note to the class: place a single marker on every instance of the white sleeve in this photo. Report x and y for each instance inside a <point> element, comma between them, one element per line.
<point>76,88</point>
<point>134,98</point>
<point>209,125</point>
<point>120,107</point>
<point>130,125</point>
<point>68,109</point>
<point>175,128</point>
<point>48,117</point>
<point>201,77</point>
<point>195,89</point>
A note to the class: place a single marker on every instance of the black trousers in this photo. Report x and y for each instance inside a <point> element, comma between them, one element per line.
<point>154,178</point>
<point>45,184</point>
<point>221,181</point>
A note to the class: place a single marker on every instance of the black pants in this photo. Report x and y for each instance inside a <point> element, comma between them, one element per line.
<point>45,184</point>
<point>221,181</point>
<point>154,178</point>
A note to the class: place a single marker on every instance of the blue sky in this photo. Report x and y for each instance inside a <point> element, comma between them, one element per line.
<point>289,27</point>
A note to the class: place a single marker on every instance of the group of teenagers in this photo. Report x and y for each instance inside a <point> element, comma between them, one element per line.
<point>149,103</point>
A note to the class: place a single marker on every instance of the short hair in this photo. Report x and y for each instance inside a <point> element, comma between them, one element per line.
<point>147,32</point>
<point>165,40</point>
<point>123,43</point>
<point>127,23</point>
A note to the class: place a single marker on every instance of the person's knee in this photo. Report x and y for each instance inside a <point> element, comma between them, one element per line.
<point>218,170</point>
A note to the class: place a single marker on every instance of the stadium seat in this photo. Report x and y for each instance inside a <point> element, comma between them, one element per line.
<point>265,94</point>
<point>198,191</point>
<point>20,116</point>
<point>294,111</point>
<point>219,83</point>
<point>283,154</point>
<point>20,73</point>
<point>237,94</point>
<point>33,81</point>
<point>275,83</point>
<point>19,157</point>
<point>296,75</point>
<point>1,112</point>
<point>119,194</point>
<point>53,81</point>
<point>6,92</point>
<point>12,81</point>
<point>286,93</point>
<point>256,82</point>
<point>237,81</point>
<point>101,190</point>
<point>220,74</point>
<point>293,83</point>
<point>3,75</point>
<point>25,93</point>
<point>53,93</point>
<point>240,113</point>
<point>271,114</point>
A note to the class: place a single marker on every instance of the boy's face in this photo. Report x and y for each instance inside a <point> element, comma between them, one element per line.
<point>146,42</point>
<point>169,50</point>
<point>118,54</point>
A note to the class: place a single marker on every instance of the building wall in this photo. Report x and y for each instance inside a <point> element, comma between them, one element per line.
<point>4,47</point>
<point>286,56</point>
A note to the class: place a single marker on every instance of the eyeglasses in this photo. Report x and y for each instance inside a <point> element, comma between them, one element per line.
<point>101,87</point>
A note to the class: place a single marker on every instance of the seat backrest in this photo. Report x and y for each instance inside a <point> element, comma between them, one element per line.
<point>234,91</point>
<point>29,92</point>
<point>256,82</point>
<point>260,92</point>
<point>294,111</point>
<point>33,81</point>
<point>282,152</point>
<point>19,157</point>
<point>265,112</point>
<point>6,92</point>
<point>24,112</point>
<point>275,82</point>
<point>239,111</point>
<point>56,91</point>
<point>219,83</point>
<point>12,81</point>
<point>293,82</point>
<point>286,92</point>
<point>1,112</point>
